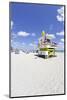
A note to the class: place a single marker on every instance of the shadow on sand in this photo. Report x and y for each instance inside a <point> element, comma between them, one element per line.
<point>42,56</point>
<point>6,95</point>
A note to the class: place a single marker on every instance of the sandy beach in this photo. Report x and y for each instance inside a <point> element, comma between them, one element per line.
<point>33,75</point>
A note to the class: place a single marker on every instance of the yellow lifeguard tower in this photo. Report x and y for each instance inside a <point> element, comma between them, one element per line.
<point>45,46</point>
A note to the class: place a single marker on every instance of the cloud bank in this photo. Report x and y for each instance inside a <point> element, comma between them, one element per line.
<point>60,15</point>
<point>22,33</point>
<point>60,33</point>
<point>50,35</point>
<point>62,40</point>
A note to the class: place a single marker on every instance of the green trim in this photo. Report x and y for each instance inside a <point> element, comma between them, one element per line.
<point>51,51</point>
<point>47,49</point>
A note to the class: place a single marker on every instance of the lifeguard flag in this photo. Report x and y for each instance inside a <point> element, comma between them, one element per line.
<point>43,33</point>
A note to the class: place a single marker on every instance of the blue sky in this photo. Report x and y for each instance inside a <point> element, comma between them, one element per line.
<point>28,21</point>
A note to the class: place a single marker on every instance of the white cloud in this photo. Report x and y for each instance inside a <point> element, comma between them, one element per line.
<point>59,18</point>
<point>60,15</point>
<point>23,43</point>
<point>11,24</point>
<point>60,45</point>
<point>11,41</point>
<point>15,43</point>
<point>22,33</point>
<point>50,35</point>
<point>13,35</point>
<point>62,40</point>
<point>31,44</point>
<point>60,33</point>
<point>33,34</point>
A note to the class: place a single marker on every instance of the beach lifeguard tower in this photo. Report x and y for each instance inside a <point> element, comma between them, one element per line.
<point>45,45</point>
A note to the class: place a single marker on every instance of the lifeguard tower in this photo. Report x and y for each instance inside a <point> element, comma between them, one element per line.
<point>45,46</point>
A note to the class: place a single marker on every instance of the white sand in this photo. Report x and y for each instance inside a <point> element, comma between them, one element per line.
<point>31,75</point>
